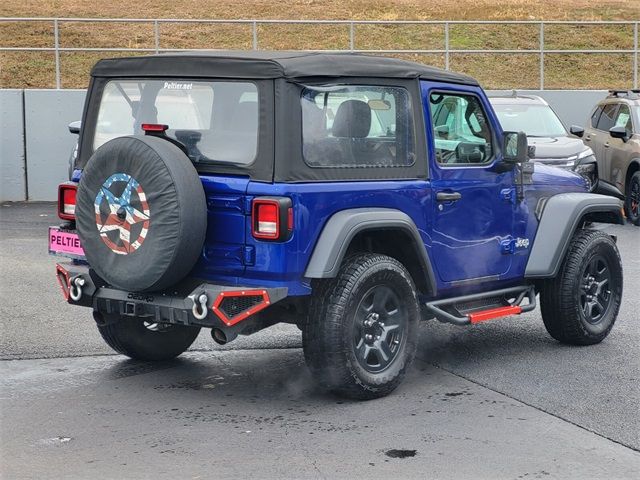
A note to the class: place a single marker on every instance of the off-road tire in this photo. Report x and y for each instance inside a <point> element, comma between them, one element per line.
<point>632,201</point>
<point>328,334</point>
<point>562,298</point>
<point>131,337</point>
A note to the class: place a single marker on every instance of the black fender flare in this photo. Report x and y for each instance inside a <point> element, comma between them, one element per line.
<point>343,226</point>
<point>561,216</point>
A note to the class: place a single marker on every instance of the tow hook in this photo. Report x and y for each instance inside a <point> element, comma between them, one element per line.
<point>199,308</point>
<point>75,288</point>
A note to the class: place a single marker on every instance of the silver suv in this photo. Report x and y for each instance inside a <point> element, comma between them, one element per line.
<point>555,146</point>
<point>613,133</point>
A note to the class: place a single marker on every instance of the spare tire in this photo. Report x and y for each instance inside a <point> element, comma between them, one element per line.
<point>141,213</point>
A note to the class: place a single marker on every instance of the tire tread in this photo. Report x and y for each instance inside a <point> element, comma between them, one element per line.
<point>557,295</point>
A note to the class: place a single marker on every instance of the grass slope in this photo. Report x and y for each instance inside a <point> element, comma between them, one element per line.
<point>37,69</point>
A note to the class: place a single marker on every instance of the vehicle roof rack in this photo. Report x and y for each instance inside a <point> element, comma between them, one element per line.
<point>624,93</point>
<point>514,94</point>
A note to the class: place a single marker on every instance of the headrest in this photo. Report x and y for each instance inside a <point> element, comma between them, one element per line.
<point>352,120</point>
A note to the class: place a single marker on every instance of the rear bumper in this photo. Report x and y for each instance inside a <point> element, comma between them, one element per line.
<point>192,302</point>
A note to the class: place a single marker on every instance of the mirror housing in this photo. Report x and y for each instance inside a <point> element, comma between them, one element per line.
<point>576,130</point>
<point>515,148</point>
<point>619,132</point>
<point>74,127</point>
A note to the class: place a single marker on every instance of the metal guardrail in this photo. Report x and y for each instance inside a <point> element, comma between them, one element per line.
<point>447,51</point>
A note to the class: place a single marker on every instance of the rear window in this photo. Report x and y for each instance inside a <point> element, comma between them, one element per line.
<point>607,119</point>
<point>596,116</point>
<point>351,126</point>
<point>215,121</point>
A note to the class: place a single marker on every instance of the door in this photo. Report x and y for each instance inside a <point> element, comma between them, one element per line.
<point>474,204</point>
<point>617,151</point>
<point>600,140</point>
<point>591,135</point>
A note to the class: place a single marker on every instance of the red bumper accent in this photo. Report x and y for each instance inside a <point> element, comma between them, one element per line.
<point>64,280</point>
<point>264,303</point>
<point>494,313</point>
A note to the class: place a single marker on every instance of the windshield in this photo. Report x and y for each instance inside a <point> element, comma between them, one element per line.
<point>215,121</point>
<point>534,120</point>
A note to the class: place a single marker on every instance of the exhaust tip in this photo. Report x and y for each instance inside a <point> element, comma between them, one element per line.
<point>219,336</point>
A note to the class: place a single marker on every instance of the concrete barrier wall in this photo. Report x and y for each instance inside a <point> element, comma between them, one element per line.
<point>35,144</point>
<point>48,141</point>
<point>12,162</point>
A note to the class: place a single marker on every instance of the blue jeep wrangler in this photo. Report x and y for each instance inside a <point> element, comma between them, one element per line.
<point>350,195</point>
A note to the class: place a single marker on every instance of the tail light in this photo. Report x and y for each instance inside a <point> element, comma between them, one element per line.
<point>272,218</point>
<point>67,201</point>
<point>154,127</point>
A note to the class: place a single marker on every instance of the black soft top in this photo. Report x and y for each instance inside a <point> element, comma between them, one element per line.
<point>265,64</point>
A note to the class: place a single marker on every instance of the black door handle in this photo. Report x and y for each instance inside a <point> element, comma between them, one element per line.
<point>448,196</point>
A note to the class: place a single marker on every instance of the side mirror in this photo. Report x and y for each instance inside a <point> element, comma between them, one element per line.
<point>515,147</point>
<point>619,132</point>
<point>74,127</point>
<point>576,130</point>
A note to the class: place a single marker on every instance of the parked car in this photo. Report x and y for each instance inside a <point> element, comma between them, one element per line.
<point>613,132</point>
<point>554,145</point>
<point>350,195</point>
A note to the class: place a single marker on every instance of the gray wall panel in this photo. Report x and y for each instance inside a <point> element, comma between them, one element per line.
<point>12,175</point>
<point>49,143</point>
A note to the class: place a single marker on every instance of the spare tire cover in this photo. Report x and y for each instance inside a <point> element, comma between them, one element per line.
<point>141,213</point>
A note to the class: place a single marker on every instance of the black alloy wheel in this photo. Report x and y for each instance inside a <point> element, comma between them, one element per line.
<point>632,203</point>
<point>379,329</point>
<point>595,289</point>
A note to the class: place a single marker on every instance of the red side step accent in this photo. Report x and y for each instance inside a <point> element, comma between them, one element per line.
<point>494,313</point>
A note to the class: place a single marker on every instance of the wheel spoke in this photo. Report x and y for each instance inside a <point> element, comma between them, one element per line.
<point>596,303</point>
<point>384,350</point>
<point>387,329</point>
<point>602,283</point>
<point>363,350</point>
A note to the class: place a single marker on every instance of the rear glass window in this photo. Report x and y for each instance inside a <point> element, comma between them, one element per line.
<point>607,119</point>
<point>624,118</point>
<point>357,126</point>
<point>596,116</point>
<point>215,121</point>
<point>534,120</point>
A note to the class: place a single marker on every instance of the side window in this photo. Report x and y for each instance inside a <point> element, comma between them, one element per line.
<point>596,116</point>
<point>623,119</point>
<point>347,126</point>
<point>461,132</point>
<point>607,119</point>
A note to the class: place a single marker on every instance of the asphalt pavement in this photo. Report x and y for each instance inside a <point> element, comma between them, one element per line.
<point>497,400</point>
